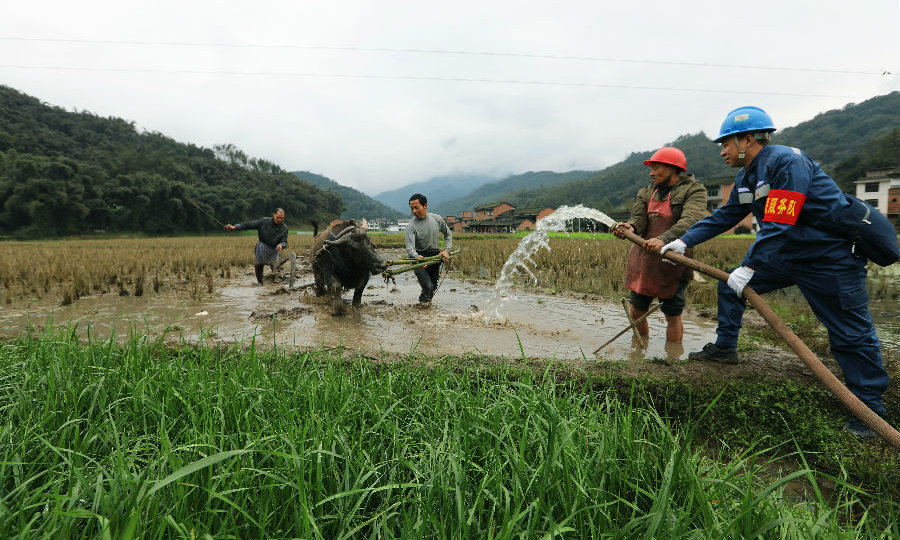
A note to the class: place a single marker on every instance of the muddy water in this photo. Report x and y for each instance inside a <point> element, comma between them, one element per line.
<point>389,321</point>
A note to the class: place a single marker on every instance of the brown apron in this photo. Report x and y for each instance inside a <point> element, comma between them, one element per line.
<point>647,273</point>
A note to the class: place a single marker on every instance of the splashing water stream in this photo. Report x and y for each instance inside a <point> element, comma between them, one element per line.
<point>529,246</point>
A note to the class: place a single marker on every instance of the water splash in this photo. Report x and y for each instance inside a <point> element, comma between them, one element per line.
<point>521,258</point>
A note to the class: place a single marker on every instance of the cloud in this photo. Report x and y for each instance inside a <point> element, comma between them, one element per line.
<point>358,91</point>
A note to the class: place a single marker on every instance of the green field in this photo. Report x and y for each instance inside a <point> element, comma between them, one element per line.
<point>105,440</point>
<point>129,438</point>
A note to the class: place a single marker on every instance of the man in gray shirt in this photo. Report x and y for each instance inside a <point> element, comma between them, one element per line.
<point>272,234</point>
<point>422,241</point>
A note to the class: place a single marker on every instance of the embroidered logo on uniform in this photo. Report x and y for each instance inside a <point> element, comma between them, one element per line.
<point>783,206</point>
<point>741,117</point>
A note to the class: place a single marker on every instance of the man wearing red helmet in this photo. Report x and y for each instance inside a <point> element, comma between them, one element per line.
<point>662,212</point>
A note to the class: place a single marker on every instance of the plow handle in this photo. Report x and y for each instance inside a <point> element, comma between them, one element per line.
<point>825,376</point>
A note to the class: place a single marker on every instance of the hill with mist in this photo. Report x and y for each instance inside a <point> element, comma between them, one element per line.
<point>65,172</point>
<point>513,189</point>
<point>437,189</point>
<point>356,203</point>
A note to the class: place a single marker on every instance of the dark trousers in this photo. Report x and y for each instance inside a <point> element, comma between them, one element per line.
<point>836,292</point>
<point>428,276</point>
<point>269,255</point>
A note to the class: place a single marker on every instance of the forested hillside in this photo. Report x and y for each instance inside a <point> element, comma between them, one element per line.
<point>74,172</point>
<point>615,186</point>
<point>356,203</point>
<point>879,153</point>
<point>836,135</point>
<point>829,138</point>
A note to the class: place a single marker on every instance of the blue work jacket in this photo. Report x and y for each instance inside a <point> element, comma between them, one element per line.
<point>784,189</point>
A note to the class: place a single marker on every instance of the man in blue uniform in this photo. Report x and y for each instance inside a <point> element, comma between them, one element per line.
<point>785,190</point>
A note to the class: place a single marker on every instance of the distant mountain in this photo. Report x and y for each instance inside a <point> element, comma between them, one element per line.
<point>437,189</point>
<point>356,203</point>
<point>829,138</point>
<point>513,189</point>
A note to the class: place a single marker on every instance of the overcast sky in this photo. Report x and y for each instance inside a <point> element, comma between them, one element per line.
<point>379,94</point>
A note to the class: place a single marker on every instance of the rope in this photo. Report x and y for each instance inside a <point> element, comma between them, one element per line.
<point>197,206</point>
<point>446,268</point>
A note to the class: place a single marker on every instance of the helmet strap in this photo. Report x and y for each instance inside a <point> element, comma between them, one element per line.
<point>742,152</point>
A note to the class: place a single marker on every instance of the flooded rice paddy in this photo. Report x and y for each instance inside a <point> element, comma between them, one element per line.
<point>390,320</point>
<point>234,309</point>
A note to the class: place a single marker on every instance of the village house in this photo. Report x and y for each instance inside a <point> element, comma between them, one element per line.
<point>506,218</point>
<point>503,224</point>
<point>528,217</point>
<point>462,221</point>
<point>717,192</point>
<point>488,220</point>
<point>881,189</point>
<point>491,210</point>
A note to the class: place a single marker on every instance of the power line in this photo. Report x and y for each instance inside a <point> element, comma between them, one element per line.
<point>420,78</point>
<point>451,52</point>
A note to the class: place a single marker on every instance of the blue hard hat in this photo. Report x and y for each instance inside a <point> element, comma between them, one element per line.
<point>744,119</point>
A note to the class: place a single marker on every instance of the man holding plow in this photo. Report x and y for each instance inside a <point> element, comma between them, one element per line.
<point>422,241</point>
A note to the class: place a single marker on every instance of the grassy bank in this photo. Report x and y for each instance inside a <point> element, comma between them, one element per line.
<point>142,441</point>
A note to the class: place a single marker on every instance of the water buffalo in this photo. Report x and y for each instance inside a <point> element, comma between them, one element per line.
<point>344,257</point>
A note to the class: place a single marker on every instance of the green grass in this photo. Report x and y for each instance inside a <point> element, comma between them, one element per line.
<point>137,440</point>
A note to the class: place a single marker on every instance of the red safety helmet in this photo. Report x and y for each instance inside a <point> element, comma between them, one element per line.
<point>670,156</point>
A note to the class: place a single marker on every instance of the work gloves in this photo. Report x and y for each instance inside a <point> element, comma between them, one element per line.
<point>739,278</point>
<point>677,246</point>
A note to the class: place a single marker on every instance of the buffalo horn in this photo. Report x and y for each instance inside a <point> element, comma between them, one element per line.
<point>341,238</point>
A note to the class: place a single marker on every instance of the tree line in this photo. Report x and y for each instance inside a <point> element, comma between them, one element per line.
<point>67,172</point>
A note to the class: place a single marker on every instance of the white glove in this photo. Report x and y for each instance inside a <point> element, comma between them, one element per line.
<point>677,246</point>
<point>739,278</point>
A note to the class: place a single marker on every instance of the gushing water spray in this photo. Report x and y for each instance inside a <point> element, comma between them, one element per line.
<point>521,258</point>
